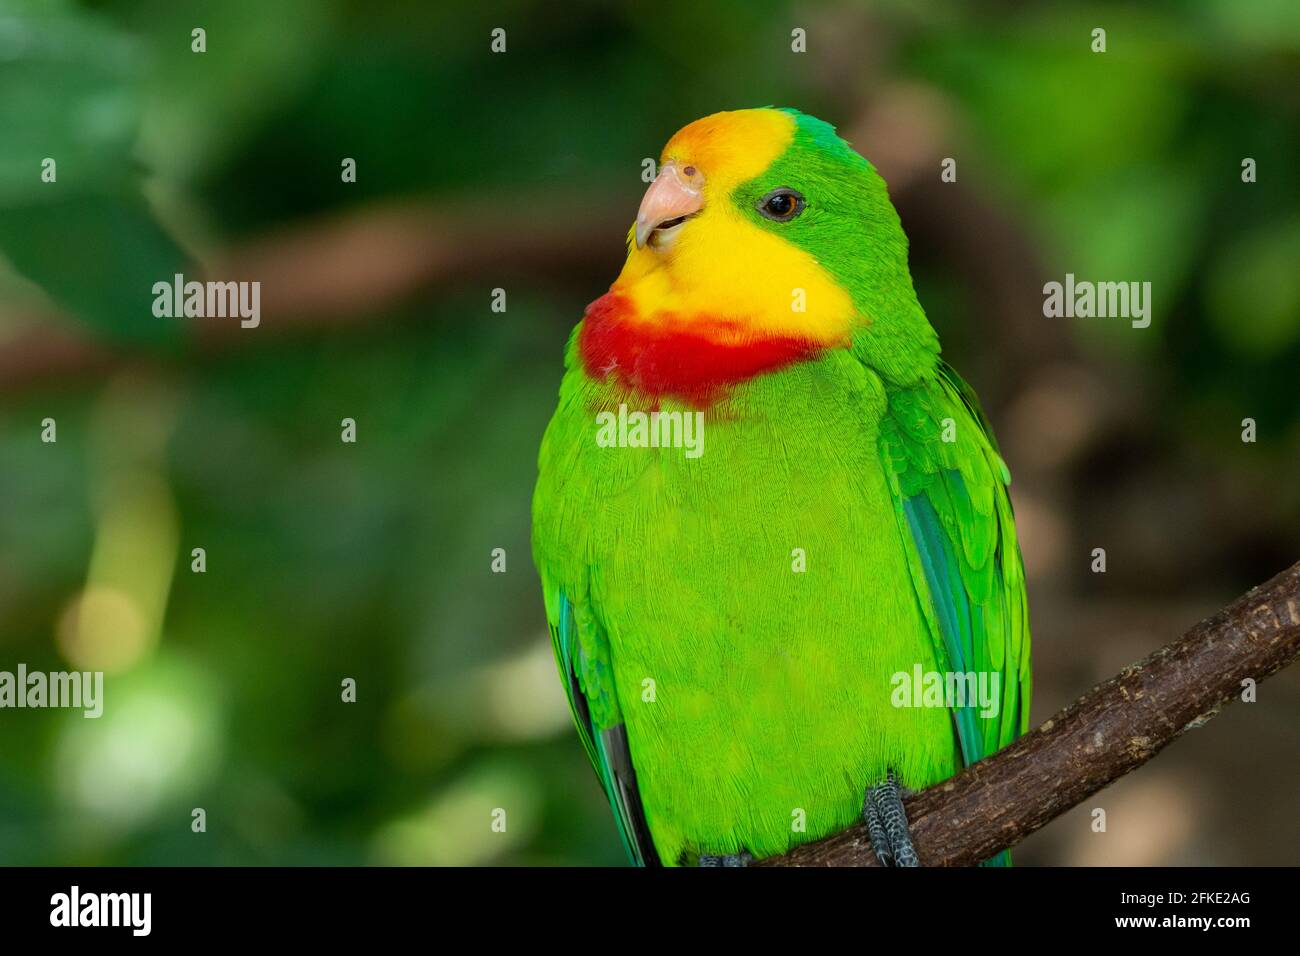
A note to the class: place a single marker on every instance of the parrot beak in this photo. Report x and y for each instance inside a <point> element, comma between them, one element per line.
<point>674,196</point>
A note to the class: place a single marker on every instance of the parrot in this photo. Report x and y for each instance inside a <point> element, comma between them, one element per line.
<point>774,632</point>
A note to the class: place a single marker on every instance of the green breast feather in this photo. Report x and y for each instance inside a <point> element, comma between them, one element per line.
<point>772,688</point>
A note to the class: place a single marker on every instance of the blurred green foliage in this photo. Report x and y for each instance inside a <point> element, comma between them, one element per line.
<point>371,561</point>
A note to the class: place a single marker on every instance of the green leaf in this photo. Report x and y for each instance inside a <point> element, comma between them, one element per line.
<point>70,92</point>
<point>98,257</point>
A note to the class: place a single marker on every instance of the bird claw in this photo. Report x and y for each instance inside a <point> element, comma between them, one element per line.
<point>886,820</point>
<point>730,859</point>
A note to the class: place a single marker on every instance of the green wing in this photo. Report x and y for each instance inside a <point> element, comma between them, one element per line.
<point>950,492</point>
<point>582,654</point>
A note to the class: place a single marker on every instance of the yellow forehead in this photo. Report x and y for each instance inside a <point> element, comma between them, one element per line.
<point>730,148</point>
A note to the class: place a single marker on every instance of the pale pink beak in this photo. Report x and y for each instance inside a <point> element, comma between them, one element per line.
<point>674,195</point>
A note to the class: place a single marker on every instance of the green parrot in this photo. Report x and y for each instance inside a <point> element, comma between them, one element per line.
<point>772,525</point>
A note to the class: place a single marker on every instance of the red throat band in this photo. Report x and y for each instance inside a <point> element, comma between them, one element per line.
<point>669,357</point>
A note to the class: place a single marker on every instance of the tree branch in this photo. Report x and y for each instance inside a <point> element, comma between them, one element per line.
<point>343,270</point>
<point>1114,728</point>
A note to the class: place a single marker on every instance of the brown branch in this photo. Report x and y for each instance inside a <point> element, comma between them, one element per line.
<point>1114,728</point>
<point>345,269</point>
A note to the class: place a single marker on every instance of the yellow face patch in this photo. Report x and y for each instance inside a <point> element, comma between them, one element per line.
<point>746,281</point>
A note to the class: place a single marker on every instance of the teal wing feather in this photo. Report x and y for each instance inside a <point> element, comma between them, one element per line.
<point>582,655</point>
<point>950,489</point>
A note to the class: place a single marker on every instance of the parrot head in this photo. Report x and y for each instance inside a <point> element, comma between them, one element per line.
<point>764,240</point>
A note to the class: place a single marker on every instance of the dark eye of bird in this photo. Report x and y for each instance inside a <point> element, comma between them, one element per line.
<point>782,204</point>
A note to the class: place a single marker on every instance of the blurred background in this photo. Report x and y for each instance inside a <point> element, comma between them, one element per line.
<point>521,171</point>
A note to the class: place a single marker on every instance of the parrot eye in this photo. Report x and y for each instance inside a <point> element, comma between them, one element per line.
<point>782,205</point>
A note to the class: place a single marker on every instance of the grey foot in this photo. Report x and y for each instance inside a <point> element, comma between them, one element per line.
<point>731,859</point>
<point>882,811</point>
